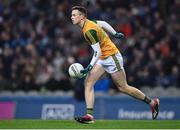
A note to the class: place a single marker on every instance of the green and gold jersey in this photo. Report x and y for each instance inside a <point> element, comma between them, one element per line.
<point>93,33</point>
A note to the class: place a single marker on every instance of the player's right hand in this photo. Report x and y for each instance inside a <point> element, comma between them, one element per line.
<point>85,71</point>
<point>82,76</point>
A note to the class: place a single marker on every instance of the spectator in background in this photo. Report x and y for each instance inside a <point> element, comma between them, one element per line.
<point>31,29</point>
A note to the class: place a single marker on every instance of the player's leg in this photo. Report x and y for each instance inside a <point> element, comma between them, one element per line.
<point>118,74</point>
<point>119,78</point>
<point>90,80</point>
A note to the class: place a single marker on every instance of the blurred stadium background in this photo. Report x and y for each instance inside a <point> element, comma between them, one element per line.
<point>38,43</point>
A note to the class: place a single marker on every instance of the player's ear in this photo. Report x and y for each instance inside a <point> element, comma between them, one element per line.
<point>82,16</point>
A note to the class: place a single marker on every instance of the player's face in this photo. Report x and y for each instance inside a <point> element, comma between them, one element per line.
<point>76,17</point>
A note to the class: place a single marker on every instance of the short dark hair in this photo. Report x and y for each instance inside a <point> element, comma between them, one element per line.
<point>81,9</point>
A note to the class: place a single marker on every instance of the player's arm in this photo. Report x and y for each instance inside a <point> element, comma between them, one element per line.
<point>91,36</point>
<point>97,53</point>
<point>106,26</point>
<point>110,29</point>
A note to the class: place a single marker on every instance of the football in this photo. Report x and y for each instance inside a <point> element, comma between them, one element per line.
<point>74,70</point>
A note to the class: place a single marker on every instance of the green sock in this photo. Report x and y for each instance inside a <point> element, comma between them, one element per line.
<point>147,99</point>
<point>90,111</point>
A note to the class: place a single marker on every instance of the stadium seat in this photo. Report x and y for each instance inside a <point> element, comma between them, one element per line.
<point>6,93</point>
<point>172,91</point>
<point>158,90</point>
<point>19,93</point>
<point>33,93</point>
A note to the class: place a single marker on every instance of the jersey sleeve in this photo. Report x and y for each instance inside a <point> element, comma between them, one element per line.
<point>91,36</point>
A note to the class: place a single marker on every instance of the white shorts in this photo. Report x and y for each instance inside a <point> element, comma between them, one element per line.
<point>112,64</point>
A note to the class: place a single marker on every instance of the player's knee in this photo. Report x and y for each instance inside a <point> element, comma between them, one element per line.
<point>89,83</point>
<point>90,79</point>
<point>123,87</point>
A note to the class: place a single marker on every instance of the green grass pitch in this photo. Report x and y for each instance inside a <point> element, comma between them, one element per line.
<point>99,124</point>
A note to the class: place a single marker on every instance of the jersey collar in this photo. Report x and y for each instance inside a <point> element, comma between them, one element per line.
<point>84,23</point>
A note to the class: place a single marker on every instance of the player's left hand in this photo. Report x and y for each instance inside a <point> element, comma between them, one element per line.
<point>86,70</point>
<point>119,35</point>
